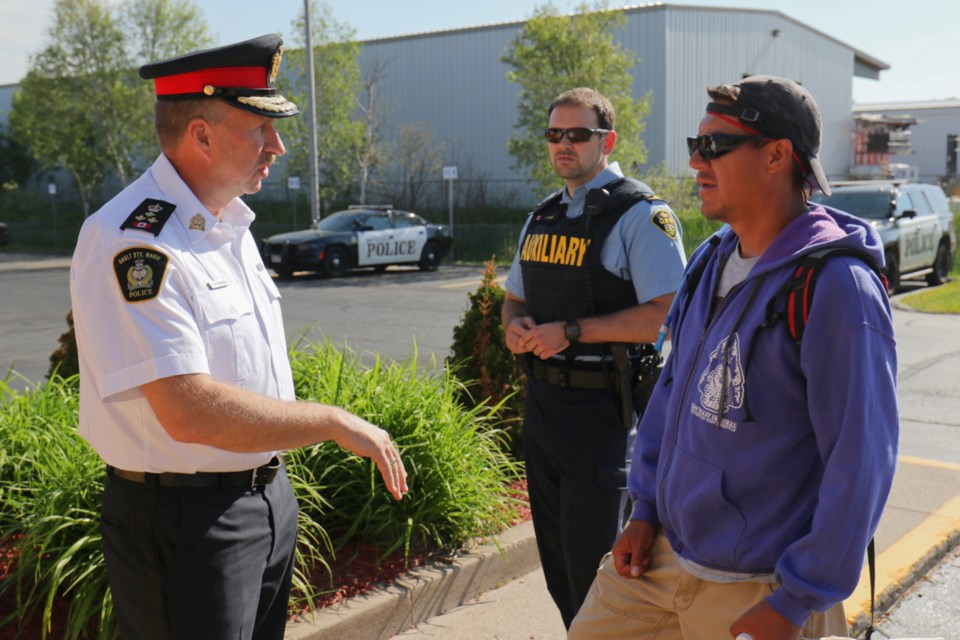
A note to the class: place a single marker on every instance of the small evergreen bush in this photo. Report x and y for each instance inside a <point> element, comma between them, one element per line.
<point>482,362</point>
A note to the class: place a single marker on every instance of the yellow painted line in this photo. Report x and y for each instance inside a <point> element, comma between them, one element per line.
<point>896,563</point>
<point>930,463</point>
<point>471,283</point>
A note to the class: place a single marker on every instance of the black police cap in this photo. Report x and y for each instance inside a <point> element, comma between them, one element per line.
<point>244,75</point>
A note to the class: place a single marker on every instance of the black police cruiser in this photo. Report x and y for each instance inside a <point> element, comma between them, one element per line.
<point>362,236</point>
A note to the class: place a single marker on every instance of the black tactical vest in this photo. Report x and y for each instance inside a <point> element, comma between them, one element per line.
<point>563,278</point>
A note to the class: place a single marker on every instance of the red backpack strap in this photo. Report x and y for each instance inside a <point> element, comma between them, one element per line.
<point>801,286</point>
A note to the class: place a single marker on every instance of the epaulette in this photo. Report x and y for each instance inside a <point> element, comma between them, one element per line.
<point>150,216</point>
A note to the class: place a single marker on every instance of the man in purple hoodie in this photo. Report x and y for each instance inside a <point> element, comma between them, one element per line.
<point>760,470</point>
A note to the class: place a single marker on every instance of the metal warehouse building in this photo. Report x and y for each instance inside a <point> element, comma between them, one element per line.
<point>455,82</point>
<point>933,139</point>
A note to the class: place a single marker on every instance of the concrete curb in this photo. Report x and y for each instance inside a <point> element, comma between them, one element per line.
<point>904,564</point>
<point>424,593</point>
<point>26,262</point>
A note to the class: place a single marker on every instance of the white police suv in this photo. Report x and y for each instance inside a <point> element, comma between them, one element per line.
<point>914,221</point>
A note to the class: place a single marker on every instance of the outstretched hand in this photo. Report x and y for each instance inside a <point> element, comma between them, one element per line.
<point>364,439</point>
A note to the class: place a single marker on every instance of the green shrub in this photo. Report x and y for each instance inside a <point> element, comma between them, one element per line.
<point>481,360</point>
<point>50,486</point>
<point>51,482</point>
<point>456,470</point>
<point>64,360</point>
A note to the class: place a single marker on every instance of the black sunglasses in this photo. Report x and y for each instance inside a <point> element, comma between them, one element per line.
<point>714,145</point>
<point>574,135</point>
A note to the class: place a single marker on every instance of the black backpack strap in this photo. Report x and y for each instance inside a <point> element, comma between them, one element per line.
<point>872,563</point>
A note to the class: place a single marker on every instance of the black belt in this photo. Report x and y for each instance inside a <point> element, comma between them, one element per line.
<point>253,478</point>
<point>568,376</point>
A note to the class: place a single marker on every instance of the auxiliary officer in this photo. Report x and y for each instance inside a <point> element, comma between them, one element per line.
<point>594,275</point>
<point>185,387</point>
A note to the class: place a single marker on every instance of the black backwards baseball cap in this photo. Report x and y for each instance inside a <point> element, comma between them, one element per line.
<point>776,108</point>
<point>244,75</point>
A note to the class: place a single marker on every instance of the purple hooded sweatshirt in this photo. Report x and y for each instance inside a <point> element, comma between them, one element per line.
<point>755,459</point>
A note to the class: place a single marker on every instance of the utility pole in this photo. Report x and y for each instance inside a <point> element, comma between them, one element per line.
<point>312,125</point>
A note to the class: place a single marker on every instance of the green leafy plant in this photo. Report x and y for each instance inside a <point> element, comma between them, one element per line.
<point>51,482</point>
<point>481,360</point>
<point>50,485</point>
<point>457,472</point>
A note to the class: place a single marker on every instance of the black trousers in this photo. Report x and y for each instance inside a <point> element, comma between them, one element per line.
<point>575,448</point>
<point>204,564</point>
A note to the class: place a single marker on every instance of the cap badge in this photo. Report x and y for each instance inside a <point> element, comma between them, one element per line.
<point>198,223</point>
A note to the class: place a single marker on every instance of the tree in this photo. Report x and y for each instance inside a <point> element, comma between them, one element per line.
<point>554,53</point>
<point>418,159</point>
<point>82,106</point>
<point>337,85</point>
<point>371,151</point>
<point>16,164</point>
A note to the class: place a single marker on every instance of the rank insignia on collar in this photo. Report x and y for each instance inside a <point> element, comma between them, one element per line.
<point>150,216</point>
<point>664,221</point>
<point>198,223</point>
<point>140,273</point>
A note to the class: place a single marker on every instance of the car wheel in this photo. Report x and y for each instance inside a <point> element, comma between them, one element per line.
<point>380,268</point>
<point>941,266</point>
<point>335,262</point>
<point>430,258</point>
<point>892,271</point>
<point>284,274</point>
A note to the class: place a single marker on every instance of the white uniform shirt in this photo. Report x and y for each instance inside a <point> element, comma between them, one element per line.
<point>217,311</point>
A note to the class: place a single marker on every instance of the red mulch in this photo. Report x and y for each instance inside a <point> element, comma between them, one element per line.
<point>356,571</point>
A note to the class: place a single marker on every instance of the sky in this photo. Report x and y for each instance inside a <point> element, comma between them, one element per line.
<point>920,39</point>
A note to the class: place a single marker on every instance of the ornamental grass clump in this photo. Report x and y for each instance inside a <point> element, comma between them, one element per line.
<point>50,485</point>
<point>457,471</point>
<point>51,480</point>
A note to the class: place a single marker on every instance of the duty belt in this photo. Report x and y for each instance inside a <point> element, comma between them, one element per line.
<point>569,376</point>
<point>252,478</point>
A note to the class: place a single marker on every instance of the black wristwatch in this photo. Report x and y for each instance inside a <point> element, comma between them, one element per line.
<point>572,331</point>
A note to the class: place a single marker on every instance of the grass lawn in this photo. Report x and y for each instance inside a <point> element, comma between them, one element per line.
<point>943,299</point>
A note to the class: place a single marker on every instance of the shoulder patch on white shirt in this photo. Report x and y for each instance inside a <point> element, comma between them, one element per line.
<point>150,216</point>
<point>140,272</point>
<point>663,220</point>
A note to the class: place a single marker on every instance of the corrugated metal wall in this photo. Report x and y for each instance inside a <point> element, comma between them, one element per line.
<point>456,84</point>
<point>709,47</point>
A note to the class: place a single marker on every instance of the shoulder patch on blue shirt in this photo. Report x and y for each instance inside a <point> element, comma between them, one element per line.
<point>662,219</point>
<point>150,216</point>
<point>140,272</point>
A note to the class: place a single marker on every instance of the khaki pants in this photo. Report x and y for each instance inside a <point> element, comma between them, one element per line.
<point>668,603</point>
